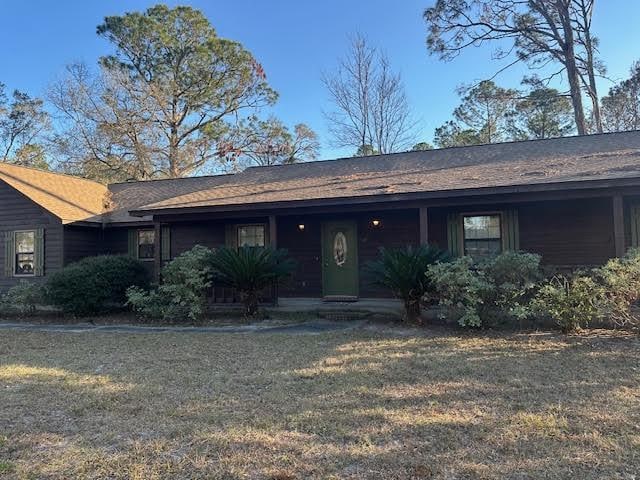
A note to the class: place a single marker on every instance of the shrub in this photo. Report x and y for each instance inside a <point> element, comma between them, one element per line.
<point>403,272</point>
<point>514,277</point>
<point>620,281</point>
<point>460,288</point>
<point>95,284</point>
<point>182,294</point>
<point>572,302</point>
<point>22,299</point>
<point>249,271</point>
<point>477,292</point>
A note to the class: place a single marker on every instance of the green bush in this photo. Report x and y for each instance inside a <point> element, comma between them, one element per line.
<point>95,284</point>
<point>459,288</point>
<point>478,292</point>
<point>182,294</point>
<point>514,277</point>
<point>620,281</point>
<point>249,271</point>
<point>572,302</point>
<point>22,299</point>
<point>403,272</point>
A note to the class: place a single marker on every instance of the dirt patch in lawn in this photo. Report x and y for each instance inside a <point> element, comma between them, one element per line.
<point>368,404</point>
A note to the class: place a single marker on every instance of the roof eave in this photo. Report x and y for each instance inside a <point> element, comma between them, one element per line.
<point>393,197</point>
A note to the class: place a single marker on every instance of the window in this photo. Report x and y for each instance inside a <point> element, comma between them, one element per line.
<point>251,236</point>
<point>482,235</point>
<point>25,247</point>
<point>146,244</point>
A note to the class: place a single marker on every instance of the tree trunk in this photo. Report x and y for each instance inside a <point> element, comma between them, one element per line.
<point>412,310</point>
<point>573,75</point>
<point>592,87</point>
<point>250,300</point>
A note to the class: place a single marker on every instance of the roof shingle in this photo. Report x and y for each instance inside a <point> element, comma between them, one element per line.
<point>569,159</point>
<point>72,199</point>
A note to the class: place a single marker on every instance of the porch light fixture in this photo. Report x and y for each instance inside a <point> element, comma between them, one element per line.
<point>375,222</point>
<point>301,227</point>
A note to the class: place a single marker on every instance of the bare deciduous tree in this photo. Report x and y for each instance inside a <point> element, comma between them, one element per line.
<point>372,111</point>
<point>268,142</point>
<point>541,32</point>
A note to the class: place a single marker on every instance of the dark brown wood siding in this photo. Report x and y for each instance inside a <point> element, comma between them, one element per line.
<point>17,212</point>
<point>116,241</point>
<point>185,236</point>
<point>564,232</point>
<point>81,242</point>
<point>570,232</point>
<point>397,229</point>
<point>305,247</point>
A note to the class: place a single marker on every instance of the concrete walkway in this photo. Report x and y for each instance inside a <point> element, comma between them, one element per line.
<point>316,326</point>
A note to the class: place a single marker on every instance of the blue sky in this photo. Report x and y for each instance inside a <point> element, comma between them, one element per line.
<point>295,41</point>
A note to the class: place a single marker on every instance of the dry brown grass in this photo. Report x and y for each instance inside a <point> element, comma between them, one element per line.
<point>359,405</point>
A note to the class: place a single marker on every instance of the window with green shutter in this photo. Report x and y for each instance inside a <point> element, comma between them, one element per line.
<point>483,234</point>
<point>166,243</point>
<point>24,252</point>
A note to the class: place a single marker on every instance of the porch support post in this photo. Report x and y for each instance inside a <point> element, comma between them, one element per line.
<point>618,225</point>
<point>273,235</point>
<point>157,250</point>
<point>424,226</point>
<point>273,243</point>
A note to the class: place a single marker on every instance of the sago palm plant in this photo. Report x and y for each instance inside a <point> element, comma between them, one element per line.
<point>403,271</point>
<point>249,270</point>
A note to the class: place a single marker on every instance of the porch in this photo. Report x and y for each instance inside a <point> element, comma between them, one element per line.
<point>568,229</point>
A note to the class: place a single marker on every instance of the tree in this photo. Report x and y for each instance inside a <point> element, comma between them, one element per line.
<point>541,32</point>
<point>366,151</point>
<point>450,134</point>
<point>269,142</point>
<point>422,146</point>
<point>484,109</point>
<point>23,122</point>
<point>164,99</point>
<point>621,107</point>
<point>371,106</point>
<point>481,117</point>
<point>249,271</point>
<point>101,134</point>
<point>403,271</point>
<point>542,113</point>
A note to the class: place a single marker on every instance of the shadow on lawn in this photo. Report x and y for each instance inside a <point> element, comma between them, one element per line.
<point>356,405</point>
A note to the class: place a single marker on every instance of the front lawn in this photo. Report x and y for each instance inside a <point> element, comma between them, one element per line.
<point>367,404</point>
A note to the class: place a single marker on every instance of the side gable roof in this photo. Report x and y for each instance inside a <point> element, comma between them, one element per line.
<point>72,199</point>
<point>554,161</point>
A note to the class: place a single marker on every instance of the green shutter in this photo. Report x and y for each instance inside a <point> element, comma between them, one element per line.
<point>38,269</point>
<point>510,231</point>
<point>453,234</point>
<point>635,225</point>
<point>133,243</point>
<point>166,243</point>
<point>9,253</point>
<point>231,236</point>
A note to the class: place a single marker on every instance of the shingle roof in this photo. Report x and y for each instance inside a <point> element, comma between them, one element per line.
<point>72,199</point>
<point>134,195</point>
<point>569,159</point>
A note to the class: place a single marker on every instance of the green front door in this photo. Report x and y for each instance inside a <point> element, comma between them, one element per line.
<point>340,260</point>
